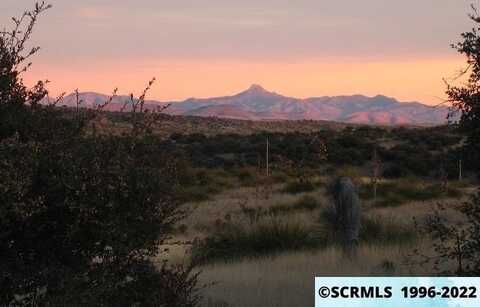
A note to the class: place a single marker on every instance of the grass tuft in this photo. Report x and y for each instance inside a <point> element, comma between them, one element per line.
<point>307,202</point>
<point>377,230</point>
<point>392,194</point>
<point>297,187</point>
<point>268,236</point>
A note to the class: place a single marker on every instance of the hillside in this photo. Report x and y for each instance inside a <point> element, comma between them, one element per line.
<point>258,104</point>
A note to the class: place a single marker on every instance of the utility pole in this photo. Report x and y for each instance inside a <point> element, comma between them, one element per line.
<point>267,162</point>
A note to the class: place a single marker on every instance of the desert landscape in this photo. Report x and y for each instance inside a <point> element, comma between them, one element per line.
<point>243,197</point>
<point>255,236</point>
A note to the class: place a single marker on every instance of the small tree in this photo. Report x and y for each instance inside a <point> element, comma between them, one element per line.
<point>466,98</point>
<point>82,215</point>
<point>460,244</point>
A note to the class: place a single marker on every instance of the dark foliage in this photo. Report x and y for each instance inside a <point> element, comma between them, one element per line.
<point>456,246</point>
<point>417,152</point>
<point>81,214</point>
<point>453,243</point>
<point>466,98</point>
<point>262,238</point>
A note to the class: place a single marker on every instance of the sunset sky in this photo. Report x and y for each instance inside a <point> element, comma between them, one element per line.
<point>204,48</point>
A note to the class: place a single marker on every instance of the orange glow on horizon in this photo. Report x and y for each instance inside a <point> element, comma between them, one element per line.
<point>407,80</point>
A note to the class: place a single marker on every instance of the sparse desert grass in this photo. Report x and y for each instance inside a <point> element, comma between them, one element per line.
<point>264,237</point>
<point>280,176</point>
<point>203,184</point>
<point>375,229</point>
<point>249,176</point>
<point>282,273</point>
<point>386,230</point>
<point>287,280</point>
<point>271,234</point>
<point>232,202</point>
<point>246,175</point>
<point>299,186</point>
<point>399,192</point>
<point>348,171</point>
<point>307,202</point>
<point>196,193</point>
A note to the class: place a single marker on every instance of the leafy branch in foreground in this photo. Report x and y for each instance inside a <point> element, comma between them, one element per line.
<point>460,244</point>
<point>82,214</point>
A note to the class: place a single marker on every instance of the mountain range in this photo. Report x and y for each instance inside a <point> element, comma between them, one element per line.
<point>256,103</point>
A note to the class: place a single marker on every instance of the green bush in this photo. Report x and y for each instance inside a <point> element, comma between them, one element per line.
<point>307,202</point>
<point>245,175</point>
<point>299,186</point>
<point>201,185</point>
<point>268,236</point>
<point>395,193</point>
<point>374,230</point>
<point>82,215</point>
<point>195,193</point>
<point>385,230</point>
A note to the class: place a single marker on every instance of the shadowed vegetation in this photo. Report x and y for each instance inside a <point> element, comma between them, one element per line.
<point>266,237</point>
<point>396,193</point>
<point>82,214</point>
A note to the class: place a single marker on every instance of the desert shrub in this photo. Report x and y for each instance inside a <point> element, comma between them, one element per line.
<point>395,171</point>
<point>395,193</point>
<point>280,176</point>
<point>349,147</point>
<point>455,245</point>
<point>429,192</point>
<point>350,172</point>
<point>385,230</point>
<point>374,229</point>
<point>201,184</point>
<point>299,186</point>
<point>306,202</point>
<point>246,175</point>
<point>390,200</point>
<point>267,236</point>
<point>82,214</point>
<point>280,209</point>
<point>452,242</point>
<point>388,267</point>
<point>194,193</point>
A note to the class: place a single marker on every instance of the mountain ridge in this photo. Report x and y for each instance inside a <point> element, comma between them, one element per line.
<point>257,103</point>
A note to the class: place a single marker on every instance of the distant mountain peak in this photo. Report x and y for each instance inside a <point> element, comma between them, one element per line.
<point>258,91</point>
<point>256,87</point>
<point>257,103</point>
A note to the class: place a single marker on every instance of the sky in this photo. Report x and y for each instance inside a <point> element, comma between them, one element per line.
<point>206,48</point>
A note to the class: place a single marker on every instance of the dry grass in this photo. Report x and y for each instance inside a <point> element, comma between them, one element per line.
<point>170,124</point>
<point>229,204</point>
<point>288,280</point>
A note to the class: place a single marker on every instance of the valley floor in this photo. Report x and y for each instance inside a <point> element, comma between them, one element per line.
<point>286,277</point>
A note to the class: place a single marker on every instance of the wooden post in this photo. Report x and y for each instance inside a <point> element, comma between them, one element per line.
<point>375,173</point>
<point>443,177</point>
<point>267,162</point>
<point>460,170</point>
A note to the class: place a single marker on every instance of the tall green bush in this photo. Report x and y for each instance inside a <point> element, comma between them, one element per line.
<point>81,214</point>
